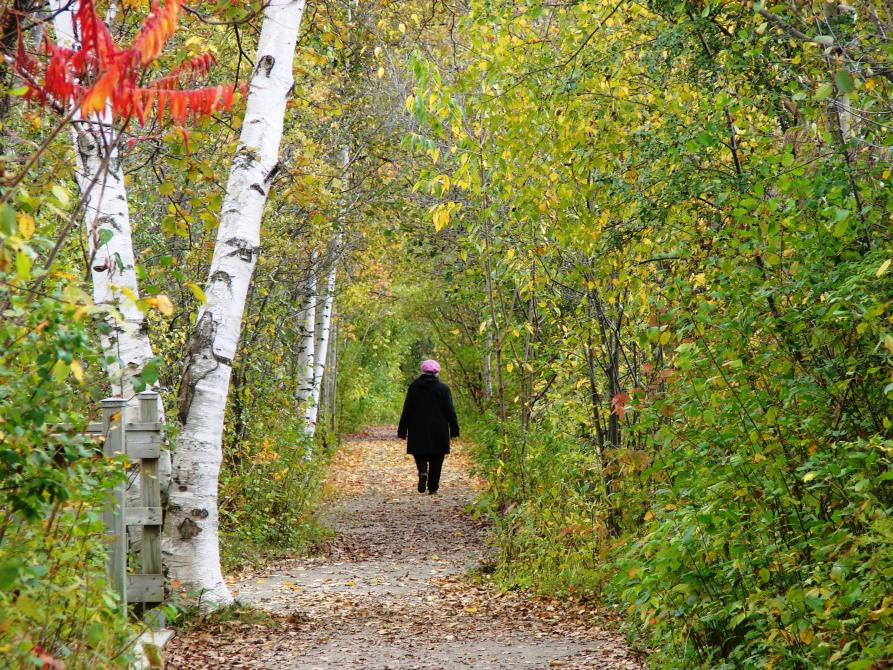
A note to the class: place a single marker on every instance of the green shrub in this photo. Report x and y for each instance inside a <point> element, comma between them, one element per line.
<point>268,488</point>
<point>762,574</point>
<point>55,603</point>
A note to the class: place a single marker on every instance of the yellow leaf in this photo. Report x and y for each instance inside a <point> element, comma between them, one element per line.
<point>197,292</point>
<point>402,28</point>
<point>77,370</point>
<point>881,270</point>
<point>380,72</point>
<point>441,219</point>
<point>164,304</point>
<point>26,226</point>
<point>649,515</point>
<point>633,571</point>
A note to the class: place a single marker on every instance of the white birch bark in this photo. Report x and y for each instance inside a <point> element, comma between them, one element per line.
<point>323,330</point>
<point>100,176</point>
<point>191,540</point>
<point>324,315</point>
<point>306,337</point>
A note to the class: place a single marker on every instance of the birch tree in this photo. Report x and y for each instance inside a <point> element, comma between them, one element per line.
<point>322,332</point>
<point>100,177</point>
<point>324,304</point>
<point>191,538</point>
<point>306,337</point>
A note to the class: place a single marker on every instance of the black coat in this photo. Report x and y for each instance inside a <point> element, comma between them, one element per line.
<point>429,418</point>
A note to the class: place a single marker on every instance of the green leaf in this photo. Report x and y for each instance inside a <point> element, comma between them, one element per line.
<point>844,81</point>
<point>8,224</point>
<point>60,371</point>
<point>60,193</point>
<point>9,572</point>
<point>94,633</point>
<point>23,266</point>
<point>824,91</point>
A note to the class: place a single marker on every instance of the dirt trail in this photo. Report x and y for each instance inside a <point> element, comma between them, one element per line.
<point>390,591</point>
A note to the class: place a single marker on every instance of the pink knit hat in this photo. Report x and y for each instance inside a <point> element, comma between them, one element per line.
<point>431,366</point>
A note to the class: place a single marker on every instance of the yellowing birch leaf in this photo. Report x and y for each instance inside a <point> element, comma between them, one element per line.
<point>77,370</point>
<point>164,304</point>
<point>197,292</point>
<point>441,219</point>
<point>26,226</point>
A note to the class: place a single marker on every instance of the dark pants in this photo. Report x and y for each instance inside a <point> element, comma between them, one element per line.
<point>430,464</point>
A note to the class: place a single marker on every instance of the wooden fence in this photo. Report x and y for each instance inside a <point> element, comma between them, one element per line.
<point>141,441</point>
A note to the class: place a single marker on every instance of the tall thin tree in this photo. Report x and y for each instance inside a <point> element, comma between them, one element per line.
<point>191,538</point>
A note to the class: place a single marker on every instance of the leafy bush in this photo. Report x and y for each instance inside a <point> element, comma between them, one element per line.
<point>268,487</point>
<point>55,603</point>
<point>743,575</point>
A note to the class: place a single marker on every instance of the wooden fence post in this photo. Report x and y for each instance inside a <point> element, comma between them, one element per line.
<point>151,556</point>
<point>144,445</point>
<point>113,513</point>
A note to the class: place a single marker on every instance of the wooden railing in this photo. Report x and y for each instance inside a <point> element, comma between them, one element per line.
<point>141,442</point>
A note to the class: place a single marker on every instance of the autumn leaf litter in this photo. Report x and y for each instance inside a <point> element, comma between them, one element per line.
<point>393,591</point>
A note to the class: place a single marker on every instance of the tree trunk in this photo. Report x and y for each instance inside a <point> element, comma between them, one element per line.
<point>100,176</point>
<point>191,537</point>
<point>323,327</point>
<point>486,374</point>
<point>307,339</point>
<point>324,312</point>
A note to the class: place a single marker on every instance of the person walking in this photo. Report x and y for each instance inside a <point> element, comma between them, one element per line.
<point>427,423</point>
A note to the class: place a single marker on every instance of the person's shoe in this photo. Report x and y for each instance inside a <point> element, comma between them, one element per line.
<point>423,482</point>
<point>431,493</point>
